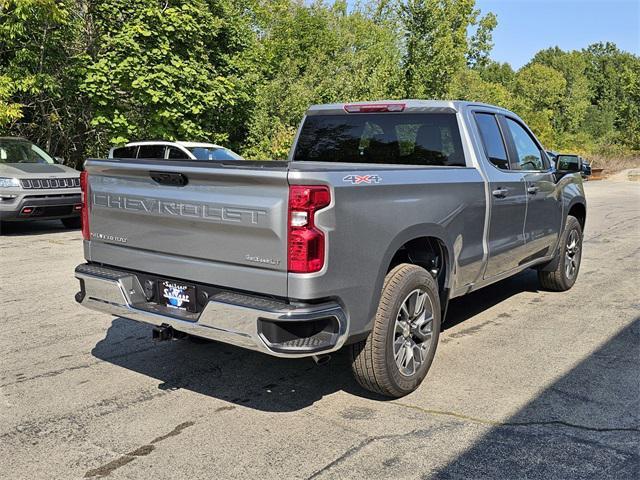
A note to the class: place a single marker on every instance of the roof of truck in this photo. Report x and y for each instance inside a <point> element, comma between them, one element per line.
<point>410,105</point>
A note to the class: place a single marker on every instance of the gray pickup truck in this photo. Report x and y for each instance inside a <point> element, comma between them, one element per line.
<point>383,213</point>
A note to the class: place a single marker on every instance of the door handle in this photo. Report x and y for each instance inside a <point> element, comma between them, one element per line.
<point>172,179</point>
<point>532,190</point>
<point>500,192</point>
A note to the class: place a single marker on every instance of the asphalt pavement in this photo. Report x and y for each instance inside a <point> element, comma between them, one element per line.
<point>525,384</point>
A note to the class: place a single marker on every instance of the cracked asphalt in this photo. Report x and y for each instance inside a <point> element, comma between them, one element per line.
<point>525,384</point>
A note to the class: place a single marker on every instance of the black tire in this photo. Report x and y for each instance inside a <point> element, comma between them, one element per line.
<point>71,222</point>
<point>567,259</point>
<point>373,360</point>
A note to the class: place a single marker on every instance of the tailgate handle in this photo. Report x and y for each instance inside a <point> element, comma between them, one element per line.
<point>172,179</point>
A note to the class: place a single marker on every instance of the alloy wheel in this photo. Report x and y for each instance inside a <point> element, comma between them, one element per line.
<point>413,331</point>
<point>572,254</point>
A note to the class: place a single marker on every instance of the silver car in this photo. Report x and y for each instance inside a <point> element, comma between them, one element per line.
<point>34,186</point>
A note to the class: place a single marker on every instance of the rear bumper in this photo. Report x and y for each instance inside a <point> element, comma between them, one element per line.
<point>255,323</point>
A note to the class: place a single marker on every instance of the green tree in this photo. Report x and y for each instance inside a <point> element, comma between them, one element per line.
<point>469,85</point>
<point>481,42</point>
<point>614,77</point>
<point>160,70</point>
<point>41,55</point>
<point>497,72</point>
<point>78,76</point>
<point>437,44</point>
<point>10,111</point>
<point>539,91</point>
<point>318,54</point>
<point>629,107</point>
<point>572,108</point>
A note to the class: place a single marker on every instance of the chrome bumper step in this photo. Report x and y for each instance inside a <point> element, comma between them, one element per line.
<point>228,317</point>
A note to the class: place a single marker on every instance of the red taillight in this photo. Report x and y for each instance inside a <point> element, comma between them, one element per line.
<point>306,242</point>
<point>374,107</point>
<point>84,211</point>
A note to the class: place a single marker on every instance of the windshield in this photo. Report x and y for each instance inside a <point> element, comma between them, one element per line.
<point>404,138</point>
<point>210,153</point>
<point>21,151</point>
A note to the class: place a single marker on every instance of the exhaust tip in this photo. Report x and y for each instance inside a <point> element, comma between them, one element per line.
<point>321,359</point>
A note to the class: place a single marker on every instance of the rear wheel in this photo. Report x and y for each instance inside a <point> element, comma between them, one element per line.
<point>568,260</point>
<point>397,354</point>
<point>72,222</point>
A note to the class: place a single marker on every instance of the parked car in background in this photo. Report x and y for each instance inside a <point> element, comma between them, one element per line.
<point>174,151</point>
<point>384,212</point>
<point>35,186</point>
<point>586,168</point>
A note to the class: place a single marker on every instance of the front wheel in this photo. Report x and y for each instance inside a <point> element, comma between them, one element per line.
<point>567,261</point>
<point>397,354</point>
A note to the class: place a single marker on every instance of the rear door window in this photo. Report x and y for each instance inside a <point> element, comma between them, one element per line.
<point>151,151</point>
<point>492,140</point>
<point>125,152</point>
<point>177,154</point>
<point>430,139</point>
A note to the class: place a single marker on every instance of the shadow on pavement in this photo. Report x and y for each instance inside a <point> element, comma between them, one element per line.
<point>229,373</point>
<point>463,308</point>
<point>585,425</point>
<point>254,379</point>
<point>36,227</point>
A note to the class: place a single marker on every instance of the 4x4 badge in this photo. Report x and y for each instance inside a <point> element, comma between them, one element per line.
<point>357,179</point>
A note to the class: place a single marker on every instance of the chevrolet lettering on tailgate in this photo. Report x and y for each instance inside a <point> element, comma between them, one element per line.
<point>205,211</point>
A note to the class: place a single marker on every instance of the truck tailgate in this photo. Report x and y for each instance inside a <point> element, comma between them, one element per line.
<point>200,221</point>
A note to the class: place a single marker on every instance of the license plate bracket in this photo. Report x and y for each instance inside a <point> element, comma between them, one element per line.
<point>177,295</point>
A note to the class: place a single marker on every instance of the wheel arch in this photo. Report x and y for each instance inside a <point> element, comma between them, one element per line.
<point>578,209</point>
<point>416,245</point>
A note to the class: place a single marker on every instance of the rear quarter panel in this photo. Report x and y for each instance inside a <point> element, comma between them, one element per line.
<point>367,223</point>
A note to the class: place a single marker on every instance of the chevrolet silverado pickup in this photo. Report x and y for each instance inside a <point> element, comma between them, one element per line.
<point>383,213</point>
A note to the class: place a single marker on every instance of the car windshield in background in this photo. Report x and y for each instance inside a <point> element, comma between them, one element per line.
<point>206,153</point>
<point>404,138</point>
<point>17,151</point>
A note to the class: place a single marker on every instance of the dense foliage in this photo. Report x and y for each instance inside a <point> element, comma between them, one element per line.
<point>78,76</point>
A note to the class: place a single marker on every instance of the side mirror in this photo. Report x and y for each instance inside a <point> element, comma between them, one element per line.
<point>568,163</point>
<point>60,160</point>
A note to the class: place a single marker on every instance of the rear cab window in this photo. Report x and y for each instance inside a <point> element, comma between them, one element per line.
<point>429,139</point>
<point>492,140</point>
